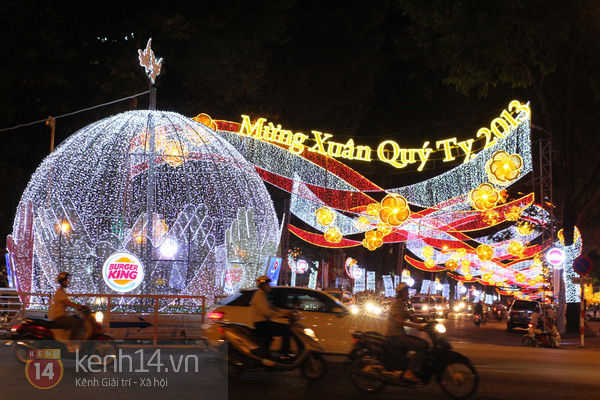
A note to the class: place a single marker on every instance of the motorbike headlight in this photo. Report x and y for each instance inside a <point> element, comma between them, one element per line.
<point>99,317</point>
<point>439,308</point>
<point>456,308</point>
<point>354,309</point>
<point>369,307</point>
<point>440,328</point>
<point>461,305</point>
<point>309,332</point>
<point>377,310</point>
<point>425,308</point>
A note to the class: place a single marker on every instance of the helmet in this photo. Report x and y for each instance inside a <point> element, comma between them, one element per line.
<point>262,279</point>
<point>402,286</point>
<point>63,276</point>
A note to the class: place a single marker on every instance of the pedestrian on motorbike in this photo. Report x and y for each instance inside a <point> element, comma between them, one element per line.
<point>397,338</point>
<point>57,311</point>
<point>262,314</point>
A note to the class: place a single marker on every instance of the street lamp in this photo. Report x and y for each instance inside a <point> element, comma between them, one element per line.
<point>64,227</point>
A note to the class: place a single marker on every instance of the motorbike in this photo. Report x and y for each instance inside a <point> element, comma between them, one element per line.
<point>499,314</point>
<point>40,333</point>
<point>373,367</point>
<point>535,337</point>
<point>477,319</point>
<point>243,351</point>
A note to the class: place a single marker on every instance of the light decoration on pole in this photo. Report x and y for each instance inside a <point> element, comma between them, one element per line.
<point>112,181</point>
<point>149,62</point>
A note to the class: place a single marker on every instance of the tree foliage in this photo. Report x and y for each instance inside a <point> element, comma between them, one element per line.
<point>548,51</point>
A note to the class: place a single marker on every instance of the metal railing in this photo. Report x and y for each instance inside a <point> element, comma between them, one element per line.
<point>140,305</point>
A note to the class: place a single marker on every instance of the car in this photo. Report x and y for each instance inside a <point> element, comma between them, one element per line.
<point>331,321</point>
<point>343,296</point>
<point>430,306</point>
<point>519,314</point>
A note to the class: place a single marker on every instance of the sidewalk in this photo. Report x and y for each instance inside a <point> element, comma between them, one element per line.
<point>573,340</point>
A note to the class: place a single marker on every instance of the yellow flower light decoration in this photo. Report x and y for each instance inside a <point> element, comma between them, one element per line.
<point>430,263</point>
<point>174,154</point>
<point>503,196</point>
<point>503,168</point>
<point>491,217</point>
<point>525,229</point>
<point>468,277</point>
<point>373,209</point>
<point>516,248</point>
<point>461,253</point>
<point>485,197</point>
<point>520,277</point>
<point>427,251</point>
<point>451,264</point>
<point>333,235</point>
<point>384,228</point>
<point>514,213</point>
<point>362,223</point>
<point>394,210</point>
<point>488,276</point>
<point>485,252</point>
<point>325,216</point>
<point>465,266</point>
<point>561,236</point>
<point>206,120</point>
<point>373,240</point>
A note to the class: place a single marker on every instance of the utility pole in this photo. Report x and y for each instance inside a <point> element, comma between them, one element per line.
<point>52,122</point>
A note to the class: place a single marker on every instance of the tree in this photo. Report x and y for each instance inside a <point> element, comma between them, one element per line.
<point>548,51</point>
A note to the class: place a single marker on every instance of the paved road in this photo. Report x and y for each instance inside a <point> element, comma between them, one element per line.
<point>507,371</point>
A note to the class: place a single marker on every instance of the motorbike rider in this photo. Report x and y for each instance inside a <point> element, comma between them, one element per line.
<point>478,310</point>
<point>262,313</point>
<point>396,336</point>
<point>57,311</point>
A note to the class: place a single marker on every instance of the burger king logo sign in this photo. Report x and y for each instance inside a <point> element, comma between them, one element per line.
<point>123,272</point>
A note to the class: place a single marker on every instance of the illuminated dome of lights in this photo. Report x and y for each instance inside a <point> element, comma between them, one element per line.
<point>209,210</point>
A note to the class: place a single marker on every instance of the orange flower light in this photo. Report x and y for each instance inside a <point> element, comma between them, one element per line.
<point>485,252</point>
<point>394,210</point>
<point>525,229</point>
<point>362,223</point>
<point>503,168</point>
<point>333,235</point>
<point>373,209</point>
<point>491,217</point>
<point>325,216</point>
<point>451,264</point>
<point>514,213</point>
<point>427,251</point>
<point>384,228</point>
<point>516,248</point>
<point>373,240</point>
<point>485,197</point>
<point>206,120</point>
<point>174,154</point>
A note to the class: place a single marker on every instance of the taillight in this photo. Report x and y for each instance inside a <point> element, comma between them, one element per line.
<point>221,331</point>
<point>215,315</point>
<point>530,325</point>
<point>15,329</point>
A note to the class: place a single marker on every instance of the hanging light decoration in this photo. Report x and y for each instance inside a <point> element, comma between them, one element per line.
<point>324,216</point>
<point>394,210</point>
<point>485,197</point>
<point>430,263</point>
<point>373,240</point>
<point>503,168</point>
<point>384,228</point>
<point>516,248</point>
<point>427,252</point>
<point>485,252</point>
<point>451,264</point>
<point>333,235</point>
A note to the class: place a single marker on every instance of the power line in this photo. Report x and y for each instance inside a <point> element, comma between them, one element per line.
<point>76,112</point>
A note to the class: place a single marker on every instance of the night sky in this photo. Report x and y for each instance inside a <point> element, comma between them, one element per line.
<point>370,70</point>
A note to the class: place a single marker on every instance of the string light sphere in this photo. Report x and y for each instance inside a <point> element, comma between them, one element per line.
<point>139,182</point>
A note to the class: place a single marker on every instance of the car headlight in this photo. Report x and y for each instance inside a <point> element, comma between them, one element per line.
<point>354,309</point>
<point>309,332</point>
<point>440,328</point>
<point>461,305</point>
<point>456,308</point>
<point>425,308</point>
<point>369,307</point>
<point>377,310</point>
<point>99,316</point>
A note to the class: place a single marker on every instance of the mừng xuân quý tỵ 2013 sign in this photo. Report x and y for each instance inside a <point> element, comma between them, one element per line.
<point>388,151</point>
